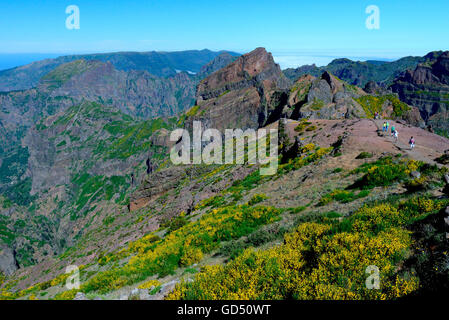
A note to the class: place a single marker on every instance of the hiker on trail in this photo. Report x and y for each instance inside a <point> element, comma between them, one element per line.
<point>395,135</point>
<point>388,125</point>
<point>393,129</point>
<point>412,143</point>
<point>384,128</point>
<point>376,115</point>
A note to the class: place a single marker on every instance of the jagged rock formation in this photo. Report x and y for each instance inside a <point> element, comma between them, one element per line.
<point>330,98</point>
<point>427,87</point>
<point>327,97</point>
<point>241,95</point>
<point>372,87</point>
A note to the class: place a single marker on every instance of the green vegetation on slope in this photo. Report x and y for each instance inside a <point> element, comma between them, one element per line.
<point>322,260</point>
<point>57,77</point>
<point>372,104</point>
<point>327,257</point>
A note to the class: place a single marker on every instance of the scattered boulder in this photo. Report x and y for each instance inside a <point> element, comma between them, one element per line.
<point>444,159</point>
<point>415,174</point>
<point>166,288</point>
<point>80,296</point>
<point>134,295</point>
<point>8,262</point>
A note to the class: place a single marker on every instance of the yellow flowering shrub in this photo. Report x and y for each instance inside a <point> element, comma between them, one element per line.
<point>412,165</point>
<point>66,295</point>
<point>304,158</point>
<point>317,261</point>
<point>308,147</point>
<point>149,284</point>
<point>375,218</point>
<point>183,246</point>
<point>7,295</point>
<point>190,255</point>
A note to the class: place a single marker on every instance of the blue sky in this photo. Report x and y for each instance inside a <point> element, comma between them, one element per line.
<point>296,31</point>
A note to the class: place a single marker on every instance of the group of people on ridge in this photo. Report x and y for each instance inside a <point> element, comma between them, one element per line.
<point>394,134</point>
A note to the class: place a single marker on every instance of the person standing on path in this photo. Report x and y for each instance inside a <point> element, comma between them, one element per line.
<point>412,143</point>
<point>393,129</point>
<point>384,127</point>
<point>395,135</point>
<point>388,125</point>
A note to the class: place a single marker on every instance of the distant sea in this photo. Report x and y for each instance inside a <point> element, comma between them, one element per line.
<point>11,60</point>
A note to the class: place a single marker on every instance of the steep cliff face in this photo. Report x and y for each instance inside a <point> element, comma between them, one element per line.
<point>427,87</point>
<point>241,95</point>
<point>77,166</point>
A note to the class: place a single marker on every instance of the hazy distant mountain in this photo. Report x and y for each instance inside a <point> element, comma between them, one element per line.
<point>161,64</point>
<point>358,72</point>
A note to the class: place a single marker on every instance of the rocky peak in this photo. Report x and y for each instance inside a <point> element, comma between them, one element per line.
<point>256,66</point>
<point>372,88</point>
<point>434,71</point>
<point>332,81</point>
<point>330,98</point>
<point>240,95</point>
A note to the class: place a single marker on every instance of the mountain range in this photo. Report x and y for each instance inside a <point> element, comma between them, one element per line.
<point>86,178</point>
<point>361,72</point>
<point>159,64</point>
